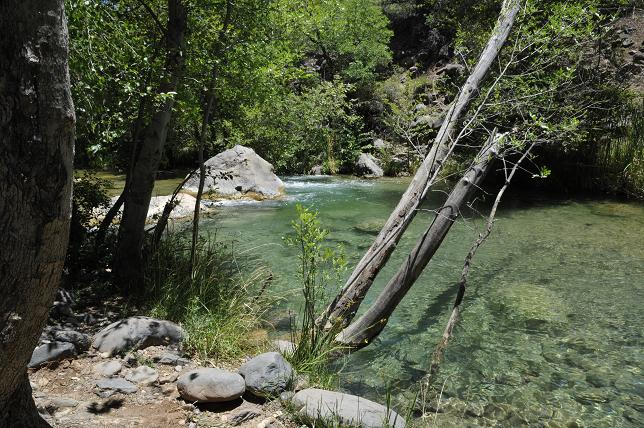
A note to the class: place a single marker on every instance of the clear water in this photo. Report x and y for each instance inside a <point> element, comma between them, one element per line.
<point>551,332</point>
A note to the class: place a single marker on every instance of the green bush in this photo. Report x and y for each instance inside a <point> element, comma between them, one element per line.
<point>321,267</point>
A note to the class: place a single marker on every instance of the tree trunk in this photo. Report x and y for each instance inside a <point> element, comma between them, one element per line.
<point>36,153</point>
<point>210,102</point>
<point>128,263</point>
<point>361,332</point>
<point>342,310</point>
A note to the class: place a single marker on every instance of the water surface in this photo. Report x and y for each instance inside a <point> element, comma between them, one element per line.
<point>551,332</point>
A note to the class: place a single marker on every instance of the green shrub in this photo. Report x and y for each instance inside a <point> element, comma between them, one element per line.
<point>320,268</point>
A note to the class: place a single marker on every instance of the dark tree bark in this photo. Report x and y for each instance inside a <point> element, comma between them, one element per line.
<point>36,153</point>
<point>342,310</point>
<point>128,263</point>
<point>362,331</point>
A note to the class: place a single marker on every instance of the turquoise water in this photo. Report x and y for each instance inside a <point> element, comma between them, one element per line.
<point>551,332</point>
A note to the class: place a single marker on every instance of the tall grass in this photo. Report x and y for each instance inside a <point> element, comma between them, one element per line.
<point>220,304</point>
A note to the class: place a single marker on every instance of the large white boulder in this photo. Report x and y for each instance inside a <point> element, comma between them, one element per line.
<point>238,173</point>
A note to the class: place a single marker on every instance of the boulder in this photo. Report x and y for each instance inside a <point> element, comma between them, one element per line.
<point>108,368</point>
<point>53,351</point>
<point>209,385</point>
<point>316,170</point>
<point>345,409</point>
<point>143,375</point>
<point>80,340</point>
<point>118,384</point>
<point>367,166</point>
<point>238,173</point>
<point>284,347</point>
<point>267,374</point>
<point>432,121</point>
<point>184,206</point>
<point>136,333</point>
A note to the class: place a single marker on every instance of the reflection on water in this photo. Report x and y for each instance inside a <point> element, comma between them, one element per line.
<point>551,333</point>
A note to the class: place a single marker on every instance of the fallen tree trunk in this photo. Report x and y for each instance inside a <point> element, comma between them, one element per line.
<point>342,310</point>
<point>361,332</point>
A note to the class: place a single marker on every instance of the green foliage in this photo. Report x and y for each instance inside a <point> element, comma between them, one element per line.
<point>112,59</point>
<point>300,130</point>
<point>320,267</point>
<point>219,305</point>
<point>90,193</point>
<point>349,38</point>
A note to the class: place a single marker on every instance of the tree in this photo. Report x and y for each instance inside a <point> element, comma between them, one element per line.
<point>128,262</point>
<point>36,153</point>
<point>343,308</point>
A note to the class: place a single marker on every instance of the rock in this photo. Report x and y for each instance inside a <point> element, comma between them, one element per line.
<point>367,166</point>
<point>136,333</point>
<point>433,121</point>
<point>370,226</point>
<point>238,173</point>
<point>117,385</point>
<point>79,340</point>
<point>209,385</point>
<point>184,206</point>
<point>638,58</point>
<point>627,43</point>
<point>240,416</point>
<point>267,374</point>
<point>55,404</point>
<point>53,351</point>
<point>108,368</point>
<point>380,144</point>
<point>171,360</point>
<point>336,407</point>
<point>284,347</point>
<point>143,375</point>
<point>452,70</point>
<point>316,170</point>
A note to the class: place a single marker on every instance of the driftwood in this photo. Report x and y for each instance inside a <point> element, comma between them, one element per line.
<point>362,331</point>
<point>342,310</point>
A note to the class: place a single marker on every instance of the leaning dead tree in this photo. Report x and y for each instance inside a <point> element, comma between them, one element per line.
<point>362,331</point>
<point>342,310</point>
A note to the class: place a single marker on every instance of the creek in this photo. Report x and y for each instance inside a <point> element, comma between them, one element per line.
<point>551,331</point>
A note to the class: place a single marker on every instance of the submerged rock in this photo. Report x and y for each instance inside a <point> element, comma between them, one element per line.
<point>136,333</point>
<point>335,407</point>
<point>210,385</point>
<point>267,374</point>
<point>367,166</point>
<point>238,173</point>
<point>49,352</point>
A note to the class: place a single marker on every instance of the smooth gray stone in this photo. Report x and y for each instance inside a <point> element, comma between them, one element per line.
<point>53,351</point>
<point>237,173</point>
<point>333,407</point>
<point>367,166</point>
<point>210,385</point>
<point>267,374</point>
<point>118,385</point>
<point>136,333</point>
<point>143,375</point>
<point>108,368</point>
